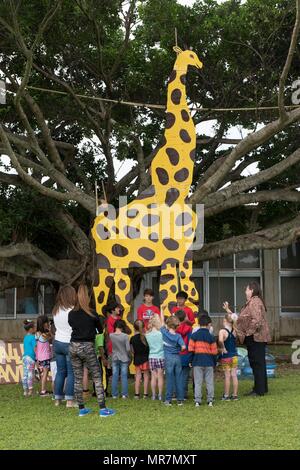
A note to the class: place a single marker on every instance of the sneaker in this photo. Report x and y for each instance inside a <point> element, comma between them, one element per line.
<point>210,403</point>
<point>124,397</point>
<point>225,398</point>
<point>234,397</point>
<point>105,412</point>
<point>57,402</point>
<point>145,396</point>
<point>115,397</point>
<point>180,403</point>
<point>160,397</point>
<point>136,396</point>
<point>153,397</point>
<point>44,394</point>
<point>167,403</point>
<point>197,404</point>
<point>84,412</point>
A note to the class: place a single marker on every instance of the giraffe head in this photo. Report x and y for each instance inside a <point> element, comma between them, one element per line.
<point>185,58</point>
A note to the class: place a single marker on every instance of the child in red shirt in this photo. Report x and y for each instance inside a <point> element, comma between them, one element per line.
<point>181,298</point>
<point>185,330</point>
<point>147,310</point>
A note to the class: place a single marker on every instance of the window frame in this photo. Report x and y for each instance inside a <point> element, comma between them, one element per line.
<point>287,273</point>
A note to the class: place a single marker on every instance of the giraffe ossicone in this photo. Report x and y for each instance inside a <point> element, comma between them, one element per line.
<point>157,229</point>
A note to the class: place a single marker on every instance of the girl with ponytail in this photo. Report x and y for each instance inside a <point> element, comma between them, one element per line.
<point>228,356</point>
<point>140,350</point>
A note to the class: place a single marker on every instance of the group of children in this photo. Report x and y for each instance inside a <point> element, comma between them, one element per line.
<point>167,350</point>
<point>37,351</point>
<point>162,350</point>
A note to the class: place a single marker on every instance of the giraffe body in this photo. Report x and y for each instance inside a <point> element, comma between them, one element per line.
<point>157,228</point>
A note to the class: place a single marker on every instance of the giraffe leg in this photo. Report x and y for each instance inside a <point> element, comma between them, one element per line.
<point>101,291</point>
<point>123,293</point>
<point>168,287</point>
<point>188,285</point>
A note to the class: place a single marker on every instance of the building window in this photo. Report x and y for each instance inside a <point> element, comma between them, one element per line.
<point>220,289</point>
<point>290,280</point>
<point>27,301</point>
<point>49,294</point>
<point>7,303</point>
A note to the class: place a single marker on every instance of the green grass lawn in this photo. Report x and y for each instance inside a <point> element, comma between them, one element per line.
<point>271,422</point>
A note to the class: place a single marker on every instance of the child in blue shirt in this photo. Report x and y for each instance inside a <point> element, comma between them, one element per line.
<point>29,344</point>
<point>173,345</point>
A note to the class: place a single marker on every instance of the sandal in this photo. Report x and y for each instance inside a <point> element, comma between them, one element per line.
<point>137,396</point>
<point>146,395</point>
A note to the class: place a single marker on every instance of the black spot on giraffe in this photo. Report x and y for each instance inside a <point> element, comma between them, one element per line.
<point>131,232</point>
<point>108,281</point>
<point>193,291</point>
<point>176,96</point>
<point>102,232</point>
<point>102,261</point>
<point>183,219</point>
<point>132,213</point>
<point>153,237</point>
<point>162,175</point>
<point>135,264</point>
<point>128,298</point>
<point>171,261</point>
<point>188,256</point>
<point>111,270</point>
<point>171,305</point>
<point>101,297</point>
<point>163,141</point>
<point>122,284</point>
<point>163,294</point>
<point>116,230</point>
<point>188,232</point>
<point>182,275</point>
<point>149,192</point>
<point>183,79</point>
<point>171,196</point>
<point>172,76</point>
<point>192,155</point>
<point>170,120</point>
<point>181,175</point>
<point>170,244</point>
<point>173,156</point>
<point>185,287</point>
<point>173,289</point>
<point>152,206</point>
<point>146,253</point>
<point>124,271</point>
<point>118,299</point>
<point>150,219</point>
<point>185,137</point>
<point>166,278</point>
<point>186,265</point>
<point>185,115</point>
<point>119,250</point>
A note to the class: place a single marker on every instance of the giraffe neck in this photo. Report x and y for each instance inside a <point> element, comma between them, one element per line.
<point>173,165</point>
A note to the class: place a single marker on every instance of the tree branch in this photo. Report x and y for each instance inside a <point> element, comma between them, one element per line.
<point>259,196</point>
<point>249,143</point>
<point>270,238</point>
<point>287,66</point>
<point>254,180</point>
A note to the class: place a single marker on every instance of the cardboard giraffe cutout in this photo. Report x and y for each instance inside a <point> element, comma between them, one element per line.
<point>157,228</point>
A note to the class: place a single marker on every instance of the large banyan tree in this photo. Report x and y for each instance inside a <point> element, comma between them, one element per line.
<point>69,66</point>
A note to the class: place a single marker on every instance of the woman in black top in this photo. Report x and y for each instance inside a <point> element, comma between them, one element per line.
<point>84,323</point>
